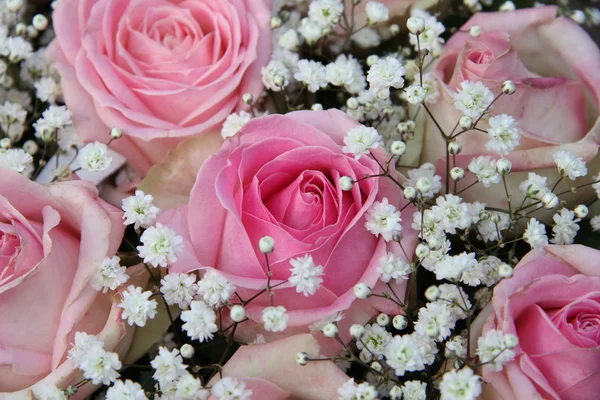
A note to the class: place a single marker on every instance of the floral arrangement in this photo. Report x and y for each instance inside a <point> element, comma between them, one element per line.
<point>299,199</point>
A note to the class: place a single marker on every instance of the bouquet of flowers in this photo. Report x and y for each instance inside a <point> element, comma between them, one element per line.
<point>299,199</point>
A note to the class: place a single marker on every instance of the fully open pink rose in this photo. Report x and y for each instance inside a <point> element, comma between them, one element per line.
<point>271,372</point>
<point>552,303</point>
<point>158,69</point>
<point>554,64</point>
<point>279,178</point>
<point>51,240</point>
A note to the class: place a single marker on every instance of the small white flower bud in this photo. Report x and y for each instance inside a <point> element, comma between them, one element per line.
<point>581,211</point>
<point>32,32</point>
<point>422,251</point>
<point>398,148</point>
<point>432,331</point>
<point>471,3</point>
<point>505,270</point>
<point>31,147</point>
<point>352,103</point>
<point>5,143</point>
<point>275,22</point>
<point>356,331</point>
<point>187,351</point>
<point>507,6</point>
<point>362,291</point>
<point>372,59</point>
<point>317,107</point>
<point>457,173</point>
<point>407,126</point>
<point>14,5</point>
<point>247,98</point>
<point>432,293</point>
<point>346,183</point>
<point>578,16</point>
<point>410,193</point>
<point>394,29</point>
<point>116,133</point>
<point>278,80</point>
<point>39,22</point>
<point>383,319</point>
<point>396,393</point>
<point>495,218</point>
<point>237,313</point>
<point>21,29</point>
<point>454,148</point>
<point>266,244</point>
<point>365,356</point>
<point>508,87</point>
<point>415,25</point>
<point>330,330</point>
<point>550,200</point>
<point>434,242</point>
<point>302,358</point>
<point>465,122</point>
<point>423,184</point>
<point>475,31</point>
<point>511,341</point>
<point>484,215</point>
<point>376,366</point>
<point>503,166</point>
<point>400,322</point>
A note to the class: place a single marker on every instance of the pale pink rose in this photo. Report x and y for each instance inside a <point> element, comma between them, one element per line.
<point>271,371</point>
<point>160,70</point>
<point>279,177</point>
<point>51,240</point>
<point>552,304</point>
<point>554,64</point>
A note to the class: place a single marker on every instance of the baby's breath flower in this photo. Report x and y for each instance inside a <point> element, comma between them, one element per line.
<point>139,210</point>
<point>351,391</point>
<point>436,320</point>
<point>383,219</point>
<point>160,245</point>
<point>178,289</point>
<point>234,123</point>
<point>434,181</point>
<point>275,76</point>
<point>100,366</point>
<point>360,140</point>
<point>460,385</point>
<point>275,319</point>
<point>535,234</point>
<point>305,277</point>
<point>127,390</point>
<point>376,12</point>
<point>109,275</point>
<point>569,164</point>
<point>535,186</point>
<point>46,391</point>
<point>504,134</point>
<point>312,74</point>
<point>452,213</point>
<point>565,227</point>
<point>414,390</point>
<point>94,157</point>
<point>473,98</point>
<point>200,321</point>
<point>84,344</point>
<point>17,160</point>
<point>415,94</point>
<point>492,351</point>
<point>137,308</point>
<point>374,339</point>
<point>230,389</point>
<point>484,169</point>
<point>168,366</point>
<point>386,73</point>
<point>215,289</point>
<point>393,267</point>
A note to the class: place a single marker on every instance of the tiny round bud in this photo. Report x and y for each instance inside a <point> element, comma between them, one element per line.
<point>432,293</point>
<point>187,351</point>
<point>31,147</point>
<point>550,200</point>
<point>365,356</point>
<point>275,22</point>
<point>505,270</point>
<point>362,291</point>
<point>39,22</point>
<point>511,341</point>
<point>14,5</point>
<point>346,183</point>
<point>484,215</point>
<point>432,331</point>
<point>317,107</point>
<point>237,313</point>
<point>400,322</point>
<point>5,143</point>
<point>352,103</point>
<point>266,244</point>
<point>330,330</point>
<point>454,148</point>
<point>356,331</point>
<point>423,184</point>
<point>507,6</point>
<point>116,133</point>
<point>21,29</point>
<point>47,135</point>
<point>398,148</point>
<point>495,218</point>
<point>278,80</point>
<point>372,59</point>
<point>457,173</point>
<point>475,31</point>
<point>410,193</point>
<point>465,122</point>
<point>376,366</point>
<point>396,393</point>
<point>434,242</point>
<point>578,16</point>
<point>415,25</point>
<point>383,319</point>
<point>508,87</point>
<point>247,98</point>
<point>581,211</point>
<point>503,166</point>
<point>302,358</point>
<point>422,251</point>
<point>394,29</point>
<point>32,32</point>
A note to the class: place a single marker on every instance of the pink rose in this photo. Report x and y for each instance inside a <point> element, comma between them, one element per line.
<point>270,370</point>
<point>158,69</point>
<point>554,64</point>
<point>279,178</point>
<point>51,240</point>
<point>552,303</point>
